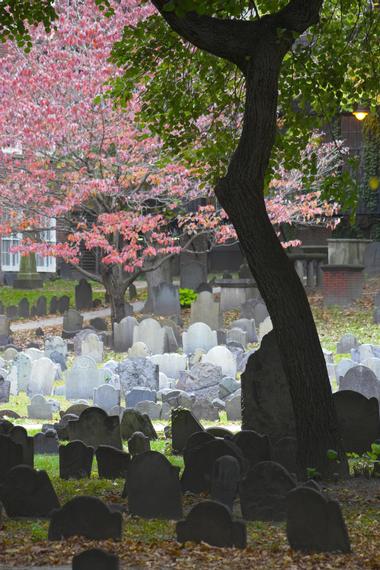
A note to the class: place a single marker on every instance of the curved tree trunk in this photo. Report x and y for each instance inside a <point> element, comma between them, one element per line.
<point>116,286</point>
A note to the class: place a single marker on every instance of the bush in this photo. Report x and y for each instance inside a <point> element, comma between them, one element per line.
<point>186,297</point>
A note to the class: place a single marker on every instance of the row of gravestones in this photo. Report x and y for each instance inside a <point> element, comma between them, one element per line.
<point>227,468</point>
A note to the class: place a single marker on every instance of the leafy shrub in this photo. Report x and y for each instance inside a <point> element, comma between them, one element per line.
<point>186,297</point>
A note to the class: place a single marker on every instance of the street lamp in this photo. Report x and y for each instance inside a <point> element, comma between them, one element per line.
<point>360,112</point>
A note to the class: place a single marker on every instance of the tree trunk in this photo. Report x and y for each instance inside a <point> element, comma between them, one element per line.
<point>116,285</point>
<point>241,193</point>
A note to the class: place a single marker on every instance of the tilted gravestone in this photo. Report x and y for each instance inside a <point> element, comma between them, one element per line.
<point>199,463</point>
<point>233,406</point>
<point>11,454</point>
<point>138,443</point>
<point>225,480</point>
<point>85,516</point>
<point>19,435</point>
<point>212,523</point>
<point>315,523</point>
<point>83,295</point>
<point>75,460</point>
<point>263,492</point>
<point>95,559</point>
<point>26,492</point>
<point>358,419</point>
<point>123,334</point>
<point>153,487</point>
<point>133,421</point>
<point>46,443</point>
<point>82,379</point>
<point>254,446</point>
<point>94,427</point>
<point>39,408</point>
<point>361,379</point>
<point>266,402</point>
<point>184,424</point>
<point>135,372</point>
<point>112,463</point>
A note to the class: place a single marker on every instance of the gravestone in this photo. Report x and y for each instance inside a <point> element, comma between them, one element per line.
<point>41,307</point>
<point>170,364</point>
<point>5,389</point>
<point>139,394</point>
<point>346,343</point>
<point>39,408</point>
<point>99,324</point>
<point>58,358</point>
<point>10,353</point>
<point>260,313</point>
<point>254,446</point>
<point>225,480</point>
<point>151,409</point>
<point>266,402</point>
<point>83,295</point>
<point>237,335</point>
<point>135,372</point>
<point>75,460</point>
<point>139,350</point>
<point>5,426</point>
<point>46,443</point>
<point>72,323</point>
<point>153,487</point>
<point>23,364</point>
<point>133,421</point>
<point>204,287</point>
<point>92,346</point>
<point>358,419</point>
<point>12,312</point>
<point>123,334</point>
<point>26,492</point>
<point>4,330</point>
<point>221,356</point>
<point>24,309</point>
<point>106,397</point>
<point>152,334</point>
<point>55,344</point>
<point>34,353</point>
<point>19,435</point>
<point>193,274</point>
<point>42,377</point>
<point>85,516</point>
<point>202,379</point>
<point>361,379</point>
<point>95,559</point>
<point>199,463</point>
<point>342,367</point>
<point>374,365</point>
<point>165,300</point>
<point>112,463</point>
<point>184,425</point>
<point>372,259</point>
<point>94,427</point>
<point>53,305</point>
<point>233,407</point>
<point>263,492</point>
<point>82,379</point>
<point>315,523</point>
<point>11,454</point>
<point>212,523</point>
<point>227,387</point>
<point>138,443</point>
<point>206,310</point>
<point>203,409</point>
<point>198,335</point>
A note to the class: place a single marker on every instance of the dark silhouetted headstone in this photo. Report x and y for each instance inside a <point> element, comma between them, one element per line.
<point>132,421</point>
<point>315,523</point>
<point>85,516</point>
<point>99,324</point>
<point>75,460</point>
<point>41,306</point>
<point>211,522</point>
<point>53,305</point>
<point>225,480</point>
<point>26,492</point>
<point>112,463</point>
<point>5,389</point>
<point>63,304</point>
<point>95,427</point>
<point>138,443</point>
<point>46,443</point>
<point>19,435</point>
<point>184,424</point>
<point>254,446</point>
<point>83,295</point>
<point>95,559</point>
<point>10,455</point>
<point>24,309</point>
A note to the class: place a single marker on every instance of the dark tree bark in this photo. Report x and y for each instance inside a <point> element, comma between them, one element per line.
<point>258,48</point>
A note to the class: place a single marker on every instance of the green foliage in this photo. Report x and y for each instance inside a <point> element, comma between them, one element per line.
<point>186,297</point>
<point>332,455</point>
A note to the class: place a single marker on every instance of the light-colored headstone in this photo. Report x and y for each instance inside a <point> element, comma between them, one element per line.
<point>265,327</point>
<point>221,356</point>
<point>199,335</point>
<point>346,343</point>
<point>237,335</point>
<point>170,364</point>
<point>374,365</point>
<point>203,380</point>
<point>55,344</point>
<point>362,353</point>
<point>206,310</point>
<point>42,377</point>
<point>82,378</point>
<point>247,325</point>
<point>361,379</point>
<point>93,346</point>
<point>123,334</point>
<point>343,366</point>
<point>23,364</point>
<point>152,334</point>
<point>139,350</point>
<point>10,353</point>
<point>106,397</point>
<point>35,353</point>
<point>135,372</point>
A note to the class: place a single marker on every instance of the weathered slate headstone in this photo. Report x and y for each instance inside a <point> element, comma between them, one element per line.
<point>315,523</point>
<point>225,480</point>
<point>94,427</point>
<point>203,409</point>
<point>53,305</point>
<point>112,463</point>
<point>254,446</point>
<point>75,460</point>
<point>151,409</point>
<point>199,335</point>
<point>11,454</point>
<point>88,517</point>
<point>133,421</point>
<point>342,367</point>
<point>46,443</point>
<point>123,334</point>
<point>24,309</point>
<point>83,295</point>
<point>139,394</point>
<point>358,419</point>
<point>106,397</point>
<point>138,443</point>
<point>237,335</point>
<point>135,372</point>
<point>206,310</point>
<point>41,307</point>
<point>153,487</point>
<point>211,522</point>
<point>26,492</point>
<point>152,334</point>
<point>266,397</point>
<point>184,425</point>
<point>19,435</point>
<point>346,343</point>
<point>165,300</point>
<point>361,379</point>
<point>72,323</point>
<point>39,408</point>
<point>82,379</point>
<point>95,559</point>
<point>263,492</point>
<point>12,312</point>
